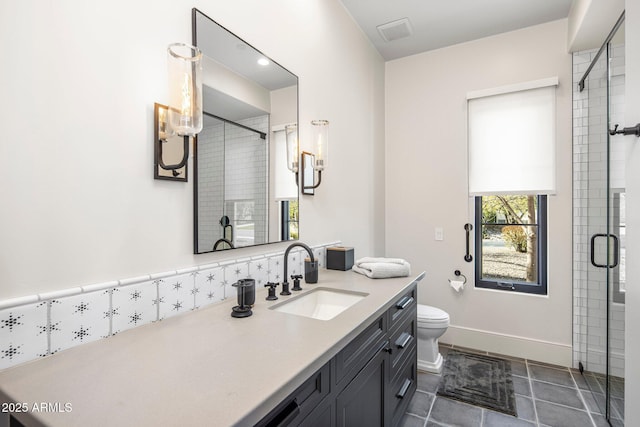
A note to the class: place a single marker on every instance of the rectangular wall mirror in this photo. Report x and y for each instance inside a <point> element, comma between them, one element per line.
<point>244,195</point>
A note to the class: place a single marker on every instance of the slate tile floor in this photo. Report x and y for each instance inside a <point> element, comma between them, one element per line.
<point>546,396</point>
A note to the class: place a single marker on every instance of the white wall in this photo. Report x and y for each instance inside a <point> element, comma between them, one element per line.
<point>632,320</point>
<point>79,203</point>
<point>222,79</point>
<point>426,185</point>
<point>590,21</point>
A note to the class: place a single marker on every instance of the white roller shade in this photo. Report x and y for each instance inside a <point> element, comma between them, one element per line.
<point>512,148</point>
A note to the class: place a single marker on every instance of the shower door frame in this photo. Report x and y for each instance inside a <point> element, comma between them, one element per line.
<point>612,240</point>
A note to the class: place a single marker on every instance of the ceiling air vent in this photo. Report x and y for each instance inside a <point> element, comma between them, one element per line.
<point>395,30</point>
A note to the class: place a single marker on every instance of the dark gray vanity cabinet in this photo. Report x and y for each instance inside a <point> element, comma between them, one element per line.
<point>302,402</point>
<point>403,360</point>
<point>362,402</point>
<point>368,383</point>
<point>324,415</point>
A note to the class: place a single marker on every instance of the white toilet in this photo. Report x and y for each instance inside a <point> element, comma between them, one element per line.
<point>432,323</point>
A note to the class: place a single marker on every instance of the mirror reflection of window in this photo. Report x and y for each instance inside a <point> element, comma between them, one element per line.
<point>308,175</point>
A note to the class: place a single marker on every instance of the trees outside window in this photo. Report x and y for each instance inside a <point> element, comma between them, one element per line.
<point>511,243</point>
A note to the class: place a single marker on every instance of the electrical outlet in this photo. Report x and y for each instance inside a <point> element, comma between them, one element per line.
<point>439,233</point>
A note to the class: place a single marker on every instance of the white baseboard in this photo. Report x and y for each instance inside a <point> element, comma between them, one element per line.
<point>509,345</point>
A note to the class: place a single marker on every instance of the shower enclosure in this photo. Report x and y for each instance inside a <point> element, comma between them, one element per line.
<point>599,224</point>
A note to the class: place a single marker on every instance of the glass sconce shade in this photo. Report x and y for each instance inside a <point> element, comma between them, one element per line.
<point>320,135</point>
<point>291,132</point>
<point>185,88</point>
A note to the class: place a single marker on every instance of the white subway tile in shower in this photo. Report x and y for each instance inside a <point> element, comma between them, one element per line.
<point>176,294</point>
<point>134,305</point>
<point>23,333</point>
<point>79,319</point>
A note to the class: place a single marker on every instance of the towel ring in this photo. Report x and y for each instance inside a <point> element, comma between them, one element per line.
<point>458,274</point>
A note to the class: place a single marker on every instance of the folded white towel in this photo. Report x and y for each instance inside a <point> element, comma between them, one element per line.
<point>382,268</point>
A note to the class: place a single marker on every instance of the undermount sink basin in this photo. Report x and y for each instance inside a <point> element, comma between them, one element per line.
<point>320,303</point>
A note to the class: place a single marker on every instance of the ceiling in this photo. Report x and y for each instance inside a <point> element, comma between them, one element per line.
<point>227,49</point>
<point>441,23</point>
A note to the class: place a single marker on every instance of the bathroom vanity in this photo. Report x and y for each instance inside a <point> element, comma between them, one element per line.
<point>207,368</point>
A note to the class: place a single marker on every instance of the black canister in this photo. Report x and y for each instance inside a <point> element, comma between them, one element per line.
<point>310,271</point>
<point>246,297</point>
<point>246,291</point>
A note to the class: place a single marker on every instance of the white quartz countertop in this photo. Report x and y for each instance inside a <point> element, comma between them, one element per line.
<point>199,368</point>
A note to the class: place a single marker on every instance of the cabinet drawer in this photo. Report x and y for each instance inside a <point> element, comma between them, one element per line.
<point>401,390</point>
<point>402,305</point>
<point>358,352</point>
<point>403,342</point>
<point>301,402</point>
<point>324,415</point>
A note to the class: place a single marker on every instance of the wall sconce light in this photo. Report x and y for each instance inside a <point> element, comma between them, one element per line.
<point>315,161</point>
<point>183,115</point>
<point>169,146</point>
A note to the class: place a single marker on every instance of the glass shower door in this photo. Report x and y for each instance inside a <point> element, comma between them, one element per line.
<point>605,226</point>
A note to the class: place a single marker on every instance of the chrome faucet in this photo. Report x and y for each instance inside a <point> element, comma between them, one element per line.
<point>296,279</point>
<point>219,241</point>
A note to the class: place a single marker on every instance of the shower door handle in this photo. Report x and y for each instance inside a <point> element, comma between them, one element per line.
<point>616,251</point>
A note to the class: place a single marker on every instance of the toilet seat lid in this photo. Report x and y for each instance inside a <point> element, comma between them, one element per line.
<point>427,312</point>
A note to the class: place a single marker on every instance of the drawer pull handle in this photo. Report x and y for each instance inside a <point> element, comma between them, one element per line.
<point>405,387</point>
<point>288,414</point>
<point>404,340</point>
<point>404,303</point>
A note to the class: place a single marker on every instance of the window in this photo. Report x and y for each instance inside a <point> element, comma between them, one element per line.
<point>511,243</point>
<point>512,169</point>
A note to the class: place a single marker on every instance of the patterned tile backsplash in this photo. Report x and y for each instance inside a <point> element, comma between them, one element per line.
<point>41,325</point>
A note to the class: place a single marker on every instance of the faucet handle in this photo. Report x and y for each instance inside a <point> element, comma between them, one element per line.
<point>272,291</point>
<point>296,282</point>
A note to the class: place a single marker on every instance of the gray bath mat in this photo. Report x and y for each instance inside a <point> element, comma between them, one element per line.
<point>479,380</point>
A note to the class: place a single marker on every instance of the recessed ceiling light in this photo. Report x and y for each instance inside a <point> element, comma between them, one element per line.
<point>263,61</point>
